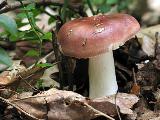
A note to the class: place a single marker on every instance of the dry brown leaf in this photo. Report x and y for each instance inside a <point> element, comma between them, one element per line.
<point>146,37</point>
<point>3,67</point>
<point>57,104</point>
<point>150,31</point>
<point>47,80</point>
<point>123,100</point>
<point>154,5</point>
<point>7,76</point>
<point>157,118</point>
<point>69,106</point>
<point>102,104</point>
<point>135,89</point>
<point>149,115</point>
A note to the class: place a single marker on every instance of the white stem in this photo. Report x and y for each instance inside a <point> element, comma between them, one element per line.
<point>102,78</point>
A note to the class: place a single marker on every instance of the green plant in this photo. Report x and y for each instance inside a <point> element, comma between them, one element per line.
<point>103,6</point>
<point>39,84</point>
<point>62,12</point>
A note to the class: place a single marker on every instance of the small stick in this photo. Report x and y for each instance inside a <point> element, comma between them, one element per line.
<point>56,52</point>
<point>97,111</point>
<point>69,72</point>
<point>3,4</point>
<point>156,44</point>
<point>18,108</point>
<point>119,116</point>
<point>134,76</point>
<point>91,7</point>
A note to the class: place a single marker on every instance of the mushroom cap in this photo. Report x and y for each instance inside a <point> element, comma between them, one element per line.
<point>90,36</point>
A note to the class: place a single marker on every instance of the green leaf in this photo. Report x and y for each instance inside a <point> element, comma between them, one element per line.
<point>104,8</point>
<point>29,7</point>
<point>4,34</point>
<point>43,65</point>
<point>47,36</point>
<point>51,20</point>
<point>4,58</point>
<point>20,90</point>
<point>24,35</point>
<point>64,11</point>
<point>110,2</point>
<point>29,35</point>
<point>21,15</point>
<point>39,83</point>
<point>9,24</point>
<point>98,2</point>
<point>123,5</point>
<point>32,53</point>
<point>12,38</point>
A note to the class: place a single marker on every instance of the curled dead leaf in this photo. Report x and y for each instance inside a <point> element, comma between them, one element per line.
<point>123,100</point>
<point>147,39</point>
<point>57,104</point>
<point>5,78</point>
<point>67,105</point>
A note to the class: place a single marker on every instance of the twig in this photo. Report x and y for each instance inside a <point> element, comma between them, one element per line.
<point>69,72</point>
<point>18,108</point>
<point>3,4</point>
<point>91,7</point>
<point>26,73</point>
<point>134,76</point>
<point>121,75</point>
<point>17,5</point>
<point>46,12</point>
<point>82,12</point>
<point>56,52</point>
<point>123,68</point>
<point>156,44</point>
<point>119,116</point>
<point>24,79</point>
<point>97,111</point>
<point>30,97</point>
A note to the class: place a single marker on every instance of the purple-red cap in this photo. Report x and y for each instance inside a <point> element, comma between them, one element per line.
<point>90,36</point>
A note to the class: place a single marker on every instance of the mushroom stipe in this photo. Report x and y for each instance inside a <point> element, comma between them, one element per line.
<point>94,38</point>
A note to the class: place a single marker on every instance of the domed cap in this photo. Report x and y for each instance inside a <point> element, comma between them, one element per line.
<point>91,36</point>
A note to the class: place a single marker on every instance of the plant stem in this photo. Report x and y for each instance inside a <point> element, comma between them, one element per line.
<point>58,58</point>
<point>34,28</point>
<point>16,5</point>
<point>64,11</point>
<point>91,7</point>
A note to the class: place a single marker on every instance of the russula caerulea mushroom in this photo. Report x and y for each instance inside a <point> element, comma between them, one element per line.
<point>94,38</point>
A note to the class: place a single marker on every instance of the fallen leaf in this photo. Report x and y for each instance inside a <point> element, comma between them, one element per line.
<point>154,5</point>
<point>135,89</point>
<point>146,37</point>
<point>123,100</point>
<point>4,78</point>
<point>56,104</point>
<point>149,115</point>
<point>8,76</point>
<point>67,105</point>
<point>47,80</point>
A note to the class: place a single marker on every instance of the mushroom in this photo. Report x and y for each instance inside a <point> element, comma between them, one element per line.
<point>94,38</point>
